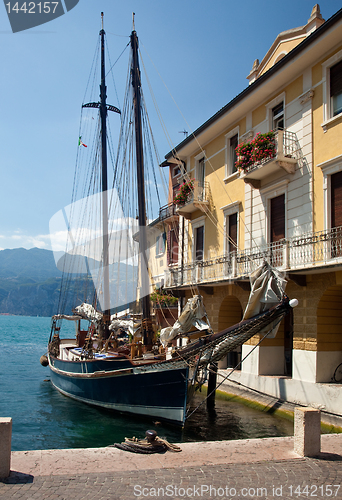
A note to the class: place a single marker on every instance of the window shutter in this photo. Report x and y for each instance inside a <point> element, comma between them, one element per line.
<point>278,218</point>
<point>336,79</point>
<point>199,243</point>
<point>168,247</point>
<point>233,157</point>
<point>336,200</point>
<point>174,248</point>
<point>232,221</point>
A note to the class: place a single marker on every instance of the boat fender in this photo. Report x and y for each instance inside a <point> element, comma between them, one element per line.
<point>44,360</point>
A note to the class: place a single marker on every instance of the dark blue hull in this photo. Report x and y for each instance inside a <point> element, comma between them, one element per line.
<point>159,391</point>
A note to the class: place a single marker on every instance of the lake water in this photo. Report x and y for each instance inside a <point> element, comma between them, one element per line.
<point>45,419</point>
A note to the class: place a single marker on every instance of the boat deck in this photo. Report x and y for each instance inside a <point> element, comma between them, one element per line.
<point>71,352</point>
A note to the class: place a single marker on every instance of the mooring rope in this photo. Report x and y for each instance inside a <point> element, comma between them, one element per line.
<point>151,444</point>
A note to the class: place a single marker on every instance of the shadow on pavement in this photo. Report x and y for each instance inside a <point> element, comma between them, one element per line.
<point>17,478</point>
<point>334,457</point>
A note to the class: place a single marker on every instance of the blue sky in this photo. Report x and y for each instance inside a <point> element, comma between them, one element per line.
<point>202,50</point>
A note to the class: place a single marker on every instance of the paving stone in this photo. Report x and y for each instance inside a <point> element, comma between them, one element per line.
<point>306,478</point>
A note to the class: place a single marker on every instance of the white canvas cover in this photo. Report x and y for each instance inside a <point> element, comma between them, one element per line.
<point>67,317</point>
<point>267,290</point>
<point>88,312</point>
<point>125,324</point>
<point>192,316</point>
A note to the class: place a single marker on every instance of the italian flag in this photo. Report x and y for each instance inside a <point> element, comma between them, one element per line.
<point>80,143</point>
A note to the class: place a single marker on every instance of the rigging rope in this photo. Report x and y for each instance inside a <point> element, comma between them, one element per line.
<point>236,367</point>
<point>206,209</point>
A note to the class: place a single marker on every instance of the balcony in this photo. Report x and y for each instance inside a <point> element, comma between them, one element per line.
<point>310,250</point>
<point>282,157</point>
<point>195,196</point>
<point>168,213</point>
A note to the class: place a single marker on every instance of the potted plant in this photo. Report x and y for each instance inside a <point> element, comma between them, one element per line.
<point>244,155</point>
<point>263,147</point>
<point>163,299</point>
<point>184,193</point>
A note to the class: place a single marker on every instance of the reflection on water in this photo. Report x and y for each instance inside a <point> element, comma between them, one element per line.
<point>232,420</point>
<point>70,424</point>
<point>45,419</point>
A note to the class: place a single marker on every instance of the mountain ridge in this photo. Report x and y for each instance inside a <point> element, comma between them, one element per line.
<point>30,283</point>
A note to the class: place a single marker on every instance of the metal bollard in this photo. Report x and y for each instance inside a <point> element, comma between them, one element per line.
<point>307,432</point>
<point>5,447</point>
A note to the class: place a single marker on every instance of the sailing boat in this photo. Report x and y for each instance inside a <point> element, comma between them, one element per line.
<point>139,377</point>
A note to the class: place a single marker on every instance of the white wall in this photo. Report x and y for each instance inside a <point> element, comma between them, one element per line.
<point>263,360</point>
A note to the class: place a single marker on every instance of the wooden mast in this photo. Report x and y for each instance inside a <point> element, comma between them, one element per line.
<point>103,117</point>
<point>103,107</point>
<point>145,285</point>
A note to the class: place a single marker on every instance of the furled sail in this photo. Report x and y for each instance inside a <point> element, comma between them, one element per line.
<point>87,311</point>
<point>267,289</point>
<point>128,325</point>
<point>192,316</point>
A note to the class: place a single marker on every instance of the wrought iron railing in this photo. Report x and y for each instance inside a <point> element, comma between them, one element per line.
<point>286,145</point>
<point>199,192</point>
<point>167,211</point>
<point>310,250</point>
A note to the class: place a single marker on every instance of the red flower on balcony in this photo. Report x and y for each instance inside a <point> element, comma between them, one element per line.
<point>244,155</point>
<point>184,193</point>
<point>262,147</point>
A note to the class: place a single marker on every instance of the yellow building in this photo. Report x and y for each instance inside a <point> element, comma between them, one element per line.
<point>281,199</point>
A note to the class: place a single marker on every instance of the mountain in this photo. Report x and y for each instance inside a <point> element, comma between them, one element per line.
<point>36,264</point>
<point>30,283</point>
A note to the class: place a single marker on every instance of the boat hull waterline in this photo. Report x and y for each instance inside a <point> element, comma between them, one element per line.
<point>161,394</point>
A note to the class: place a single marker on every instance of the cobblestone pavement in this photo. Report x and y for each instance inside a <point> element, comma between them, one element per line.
<point>318,478</point>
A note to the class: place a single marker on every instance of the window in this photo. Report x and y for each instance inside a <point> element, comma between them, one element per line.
<point>336,213</point>
<point>332,88</point>
<point>233,144</point>
<point>278,117</point>
<point>199,243</point>
<point>201,172</point>
<point>336,89</point>
<point>198,238</point>
<point>175,190</point>
<point>160,244</point>
<point>332,192</point>
<point>172,254</point>
<point>277,229</point>
<point>275,113</point>
<point>274,198</point>
<point>176,171</point>
<point>231,226</point>
<point>277,218</point>
<point>232,141</point>
<point>231,232</point>
<point>199,191</point>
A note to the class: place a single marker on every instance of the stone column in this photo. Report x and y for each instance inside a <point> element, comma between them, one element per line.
<point>5,447</point>
<point>307,432</point>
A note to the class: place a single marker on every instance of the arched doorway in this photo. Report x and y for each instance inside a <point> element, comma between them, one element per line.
<point>329,333</point>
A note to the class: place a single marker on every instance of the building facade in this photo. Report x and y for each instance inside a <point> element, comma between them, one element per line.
<point>278,197</point>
